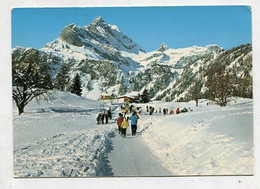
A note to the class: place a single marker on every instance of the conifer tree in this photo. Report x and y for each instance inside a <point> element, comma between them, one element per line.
<point>145,96</point>
<point>62,77</point>
<point>122,88</point>
<point>76,86</point>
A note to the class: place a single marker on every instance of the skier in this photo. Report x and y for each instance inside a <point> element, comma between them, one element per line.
<point>177,111</point>
<point>164,111</point>
<point>160,110</point>
<point>119,122</point>
<point>124,127</point>
<point>134,117</point>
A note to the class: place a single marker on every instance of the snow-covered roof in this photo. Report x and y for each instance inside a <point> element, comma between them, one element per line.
<point>105,94</point>
<point>133,93</point>
<point>123,96</point>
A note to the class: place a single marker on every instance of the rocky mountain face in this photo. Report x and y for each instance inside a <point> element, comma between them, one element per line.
<point>110,62</point>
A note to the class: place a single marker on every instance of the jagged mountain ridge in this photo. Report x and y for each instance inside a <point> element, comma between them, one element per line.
<point>110,62</point>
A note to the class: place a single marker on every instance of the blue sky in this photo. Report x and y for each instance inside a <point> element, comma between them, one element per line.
<point>226,26</point>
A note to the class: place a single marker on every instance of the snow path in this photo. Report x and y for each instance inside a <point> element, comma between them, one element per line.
<point>131,157</point>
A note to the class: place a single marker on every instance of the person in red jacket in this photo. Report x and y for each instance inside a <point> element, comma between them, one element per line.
<point>119,122</point>
<point>177,111</point>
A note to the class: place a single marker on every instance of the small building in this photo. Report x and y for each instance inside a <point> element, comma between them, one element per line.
<point>106,97</point>
<point>126,99</point>
<point>135,95</point>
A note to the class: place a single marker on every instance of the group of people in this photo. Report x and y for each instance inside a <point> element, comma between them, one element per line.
<point>131,108</point>
<point>104,116</point>
<point>123,120</point>
<point>165,111</point>
<point>150,110</point>
<point>123,123</point>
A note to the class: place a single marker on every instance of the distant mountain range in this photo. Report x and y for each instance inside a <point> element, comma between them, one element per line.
<point>110,62</point>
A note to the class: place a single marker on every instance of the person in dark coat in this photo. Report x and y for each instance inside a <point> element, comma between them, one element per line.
<point>107,116</point>
<point>131,108</point>
<point>103,116</point>
<point>119,122</point>
<point>109,113</point>
<point>150,110</point>
<point>99,118</point>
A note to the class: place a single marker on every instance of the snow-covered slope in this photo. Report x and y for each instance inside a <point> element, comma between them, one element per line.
<point>210,140</point>
<point>60,138</point>
<point>176,57</point>
<point>58,101</point>
<point>237,60</point>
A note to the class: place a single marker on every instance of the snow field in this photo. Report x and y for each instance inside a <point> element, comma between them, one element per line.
<point>208,141</point>
<point>60,138</point>
<point>75,154</point>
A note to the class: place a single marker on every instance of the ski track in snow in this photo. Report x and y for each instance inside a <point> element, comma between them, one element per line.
<point>74,154</point>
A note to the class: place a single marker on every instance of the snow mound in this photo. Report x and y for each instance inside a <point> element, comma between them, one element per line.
<point>59,101</point>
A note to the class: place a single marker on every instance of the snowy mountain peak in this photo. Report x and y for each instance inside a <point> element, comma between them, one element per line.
<point>114,27</point>
<point>98,20</point>
<point>70,25</point>
<point>214,47</point>
<point>163,47</point>
<point>97,40</point>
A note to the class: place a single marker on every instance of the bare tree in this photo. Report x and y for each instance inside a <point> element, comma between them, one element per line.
<point>220,85</point>
<point>30,78</point>
<point>194,91</point>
